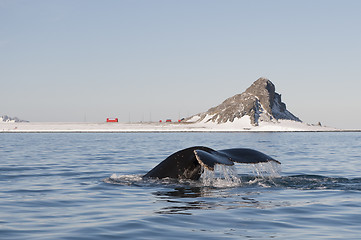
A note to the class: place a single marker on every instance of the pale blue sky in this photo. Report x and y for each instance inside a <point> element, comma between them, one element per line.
<point>140,60</point>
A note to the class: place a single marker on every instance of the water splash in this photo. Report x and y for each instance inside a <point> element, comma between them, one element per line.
<point>222,176</point>
<point>269,169</point>
<point>264,174</point>
<point>228,176</point>
<point>123,179</point>
<point>138,180</point>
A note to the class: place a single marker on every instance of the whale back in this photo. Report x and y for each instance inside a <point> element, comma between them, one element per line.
<point>181,165</point>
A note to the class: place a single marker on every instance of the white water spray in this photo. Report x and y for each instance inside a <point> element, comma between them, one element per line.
<point>227,176</point>
<point>222,176</point>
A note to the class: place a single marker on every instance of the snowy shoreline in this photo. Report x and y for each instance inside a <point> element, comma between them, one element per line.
<point>64,127</point>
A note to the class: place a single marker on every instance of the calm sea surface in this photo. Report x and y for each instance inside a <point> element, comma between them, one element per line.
<point>89,186</point>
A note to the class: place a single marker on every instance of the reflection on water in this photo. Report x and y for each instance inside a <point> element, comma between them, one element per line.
<point>184,200</point>
<point>225,183</point>
<point>183,192</point>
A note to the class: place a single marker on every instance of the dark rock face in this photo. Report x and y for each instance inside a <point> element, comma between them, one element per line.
<point>264,90</point>
<point>259,101</point>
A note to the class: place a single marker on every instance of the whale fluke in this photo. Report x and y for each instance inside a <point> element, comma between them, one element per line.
<point>247,155</point>
<point>188,163</point>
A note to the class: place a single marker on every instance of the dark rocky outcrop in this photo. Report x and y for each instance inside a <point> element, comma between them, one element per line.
<point>259,101</point>
<point>6,118</point>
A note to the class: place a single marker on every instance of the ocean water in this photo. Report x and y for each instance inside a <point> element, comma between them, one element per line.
<point>89,186</point>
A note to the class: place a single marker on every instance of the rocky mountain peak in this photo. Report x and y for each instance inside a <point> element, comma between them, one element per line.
<point>260,102</point>
<point>264,89</point>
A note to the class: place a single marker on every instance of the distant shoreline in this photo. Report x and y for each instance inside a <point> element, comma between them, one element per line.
<point>60,132</point>
<point>68,127</point>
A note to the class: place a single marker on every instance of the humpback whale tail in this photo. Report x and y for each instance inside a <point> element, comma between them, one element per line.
<point>188,163</point>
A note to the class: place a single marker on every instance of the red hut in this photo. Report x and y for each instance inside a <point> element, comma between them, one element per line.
<point>112,119</point>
